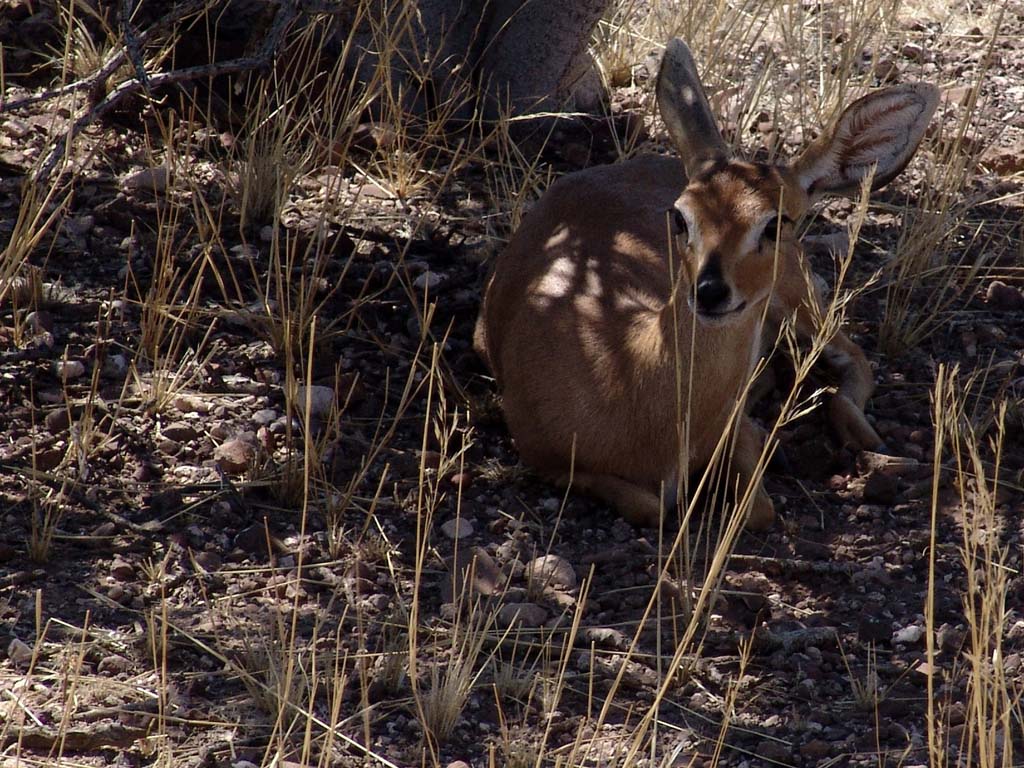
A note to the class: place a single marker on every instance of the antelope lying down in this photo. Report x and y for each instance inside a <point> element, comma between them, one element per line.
<point>591,322</point>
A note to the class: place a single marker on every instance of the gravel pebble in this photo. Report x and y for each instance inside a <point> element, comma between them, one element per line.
<point>69,370</point>
<point>321,400</point>
<point>457,528</point>
<point>525,615</point>
<point>234,456</point>
<point>551,570</point>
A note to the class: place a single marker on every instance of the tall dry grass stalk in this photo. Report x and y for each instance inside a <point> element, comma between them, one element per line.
<point>796,62</point>
<point>175,343</point>
<point>39,212</point>
<point>942,249</point>
<point>970,435</point>
<point>791,64</point>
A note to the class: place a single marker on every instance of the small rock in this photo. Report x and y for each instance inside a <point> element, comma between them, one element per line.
<point>208,561</point>
<point>19,652</point>
<point>956,712</point>
<point>958,95</point>
<point>49,458</point>
<point>121,569</point>
<point>245,251</point>
<point>265,417</point>
<point>105,530</point>
<point>281,425</point>
<point>252,539</point>
<point>429,280</point>
<point>115,366</point>
<point>914,52</point>
<point>474,568</point>
<point>1012,664</point>
<point>949,638</point>
<point>457,528</point>
<point>604,637</point>
<point>168,447</point>
<point>39,322</point>
<point>147,180</point>
<point>371,191</point>
<point>769,749</point>
<point>234,456</point>
<point>179,431</point>
<point>113,665</point>
<point>57,421</point>
<point>886,69</point>
<point>266,439</point>
<point>321,400</point>
<point>1004,161</point>
<point>815,750</point>
<point>812,550</point>
<point>69,370</point>
<point>908,635</point>
<point>525,615</point>
<point>459,764</point>
<point>914,451</point>
<point>189,404</point>
<point>360,579</point>
<point>79,226</point>
<point>16,129</point>
<point>551,570</point>
<point>1004,297</point>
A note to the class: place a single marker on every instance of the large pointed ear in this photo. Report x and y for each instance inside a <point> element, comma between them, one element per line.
<point>685,110</point>
<point>880,130</point>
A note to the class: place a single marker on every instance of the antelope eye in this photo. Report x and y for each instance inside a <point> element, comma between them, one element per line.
<point>773,228</point>
<point>678,221</point>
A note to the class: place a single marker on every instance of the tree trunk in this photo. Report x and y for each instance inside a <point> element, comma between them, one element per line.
<point>494,58</point>
<point>536,57</point>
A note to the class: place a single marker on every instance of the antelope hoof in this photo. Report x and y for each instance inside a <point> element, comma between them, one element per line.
<point>852,425</point>
<point>642,516</point>
<point>762,512</point>
<point>779,462</point>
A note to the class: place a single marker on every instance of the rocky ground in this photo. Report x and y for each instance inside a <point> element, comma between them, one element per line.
<point>188,574</point>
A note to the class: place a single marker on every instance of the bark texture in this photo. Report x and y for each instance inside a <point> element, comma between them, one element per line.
<point>493,57</point>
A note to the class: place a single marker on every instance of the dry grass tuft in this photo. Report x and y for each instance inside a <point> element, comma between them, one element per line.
<point>322,694</point>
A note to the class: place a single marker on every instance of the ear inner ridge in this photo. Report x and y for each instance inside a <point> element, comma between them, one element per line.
<point>881,129</point>
<point>685,109</point>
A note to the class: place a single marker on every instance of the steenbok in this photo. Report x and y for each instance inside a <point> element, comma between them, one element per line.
<point>597,327</point>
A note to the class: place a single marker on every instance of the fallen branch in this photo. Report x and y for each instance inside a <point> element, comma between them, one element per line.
<point>74,739</point>
<point>145,83</point>
<point>777,566</point>
<point>769,641</point>
<point>114,61</point>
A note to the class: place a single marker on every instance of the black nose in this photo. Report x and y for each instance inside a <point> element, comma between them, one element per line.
<point>712,291</point>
